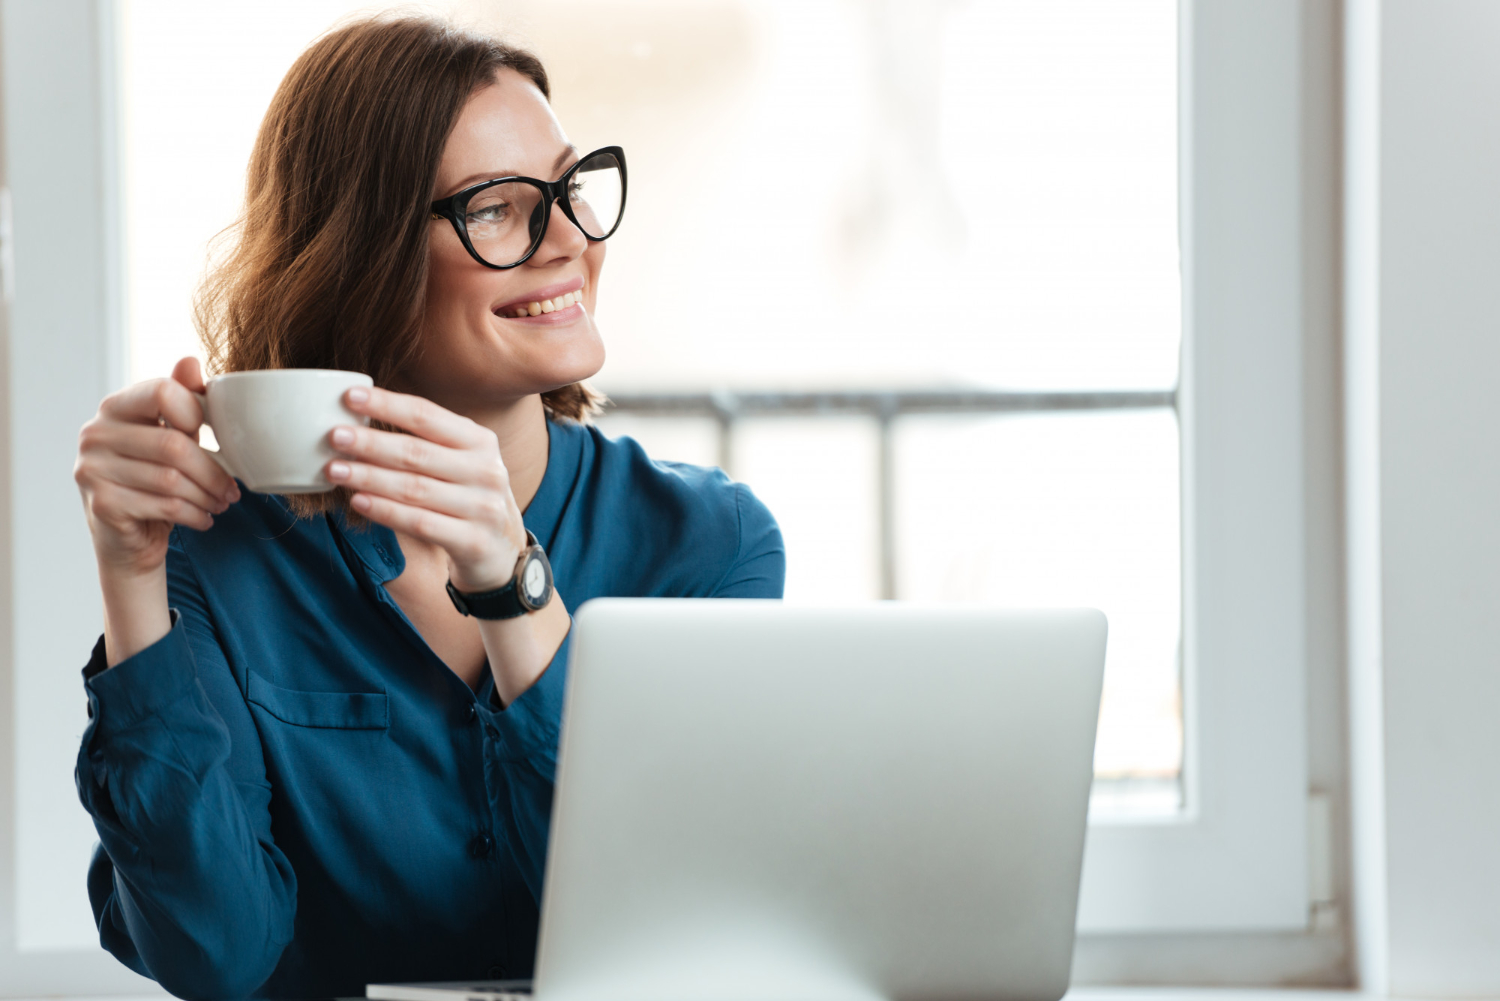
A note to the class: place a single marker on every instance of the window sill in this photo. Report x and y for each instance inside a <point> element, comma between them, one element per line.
<point>1214,994</point>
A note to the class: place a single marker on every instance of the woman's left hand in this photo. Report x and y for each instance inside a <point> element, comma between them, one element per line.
<point>445,483</point>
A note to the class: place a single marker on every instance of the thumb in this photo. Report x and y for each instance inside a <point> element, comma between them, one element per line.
<point>188,372</point>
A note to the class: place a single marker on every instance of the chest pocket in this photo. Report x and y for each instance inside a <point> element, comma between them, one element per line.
<point>330,710</point>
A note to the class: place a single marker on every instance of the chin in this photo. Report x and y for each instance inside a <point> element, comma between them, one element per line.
<point>579,361</point>
<point>579,373</point>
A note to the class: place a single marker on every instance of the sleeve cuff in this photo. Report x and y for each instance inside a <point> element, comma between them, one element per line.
<point>529,726</point>
<point>141,685</point>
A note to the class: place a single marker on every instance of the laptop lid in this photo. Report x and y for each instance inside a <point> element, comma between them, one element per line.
<point>757,800</point>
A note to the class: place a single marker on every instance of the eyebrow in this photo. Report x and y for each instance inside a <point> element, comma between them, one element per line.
<point>562,158</point>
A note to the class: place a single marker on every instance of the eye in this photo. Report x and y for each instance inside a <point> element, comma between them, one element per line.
<point>575,189</point>
<point>487,214</point>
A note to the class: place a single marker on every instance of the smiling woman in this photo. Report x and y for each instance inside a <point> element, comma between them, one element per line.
<point>334,266</point>
<point>324,727</point>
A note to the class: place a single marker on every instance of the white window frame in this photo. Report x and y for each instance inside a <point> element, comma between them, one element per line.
<point>1235,859</point>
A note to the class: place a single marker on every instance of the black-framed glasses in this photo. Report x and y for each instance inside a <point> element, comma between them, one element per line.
<point>502,222</point>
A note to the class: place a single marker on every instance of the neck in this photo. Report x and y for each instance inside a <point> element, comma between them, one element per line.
<point>521,426</point>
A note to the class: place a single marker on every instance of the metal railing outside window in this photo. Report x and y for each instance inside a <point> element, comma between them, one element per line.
<point>885,408</point>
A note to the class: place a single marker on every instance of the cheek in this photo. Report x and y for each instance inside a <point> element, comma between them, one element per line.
<point>456,285</point>
<point>593,262</point>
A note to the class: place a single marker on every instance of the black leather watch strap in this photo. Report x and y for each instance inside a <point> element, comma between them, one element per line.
<point>510,601</point>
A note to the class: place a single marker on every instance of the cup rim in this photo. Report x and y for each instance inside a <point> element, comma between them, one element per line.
<point>290,371</point>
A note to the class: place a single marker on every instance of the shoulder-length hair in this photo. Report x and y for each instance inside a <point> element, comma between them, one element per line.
<point>327,264</point>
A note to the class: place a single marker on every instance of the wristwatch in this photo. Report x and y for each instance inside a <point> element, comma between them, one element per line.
<point>528,590</point>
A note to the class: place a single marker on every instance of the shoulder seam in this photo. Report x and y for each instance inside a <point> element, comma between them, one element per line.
<point>739,537</point>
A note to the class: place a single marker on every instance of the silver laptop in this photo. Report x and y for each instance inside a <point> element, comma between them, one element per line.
<point>764,802</point>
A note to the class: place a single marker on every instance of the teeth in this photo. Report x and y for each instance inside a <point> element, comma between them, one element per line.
<point>548,305</point>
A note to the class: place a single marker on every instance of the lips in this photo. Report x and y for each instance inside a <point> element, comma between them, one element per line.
<point>543,300</point>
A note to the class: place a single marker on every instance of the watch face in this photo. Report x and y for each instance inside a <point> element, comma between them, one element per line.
<point>534,581</point>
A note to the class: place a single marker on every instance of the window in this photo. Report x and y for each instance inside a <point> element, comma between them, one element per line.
<point>933,207</point>
<point>946,353</point>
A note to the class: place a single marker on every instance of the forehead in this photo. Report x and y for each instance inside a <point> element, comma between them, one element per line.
<point>505,128</point>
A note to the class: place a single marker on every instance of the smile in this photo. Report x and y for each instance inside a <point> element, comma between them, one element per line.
<point>544,306</point>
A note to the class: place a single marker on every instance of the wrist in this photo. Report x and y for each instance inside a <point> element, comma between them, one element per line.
<point>135,610</point>
<point>527,589</point>
<point>126,574</point>
<point>482,577</point>
<point>129,564</point>
<point>494,571</point>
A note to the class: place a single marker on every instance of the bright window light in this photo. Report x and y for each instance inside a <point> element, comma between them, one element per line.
<point>834,196</point>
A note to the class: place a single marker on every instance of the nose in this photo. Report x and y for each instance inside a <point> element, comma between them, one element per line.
<point>564,241</point>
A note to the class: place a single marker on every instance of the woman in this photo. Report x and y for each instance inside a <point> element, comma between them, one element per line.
<point>308,768</point>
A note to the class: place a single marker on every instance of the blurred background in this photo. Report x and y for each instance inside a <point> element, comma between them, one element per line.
<point>909,269</point>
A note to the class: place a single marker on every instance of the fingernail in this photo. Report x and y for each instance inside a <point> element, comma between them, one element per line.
<point>338,470</point>
<point>343,436</point>
<point>360,502</point>
<point>358,394</point>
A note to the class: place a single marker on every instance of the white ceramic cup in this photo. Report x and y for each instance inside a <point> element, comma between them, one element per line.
<point>272,425</point>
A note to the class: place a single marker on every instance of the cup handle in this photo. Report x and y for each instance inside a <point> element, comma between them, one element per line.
<point>213,453</point>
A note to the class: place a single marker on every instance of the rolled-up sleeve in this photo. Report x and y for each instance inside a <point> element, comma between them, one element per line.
<point>187,885</point>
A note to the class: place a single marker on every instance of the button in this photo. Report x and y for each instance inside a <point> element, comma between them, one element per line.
<point>496,972</point>
<point>472,714</point>
<point>481,846</point>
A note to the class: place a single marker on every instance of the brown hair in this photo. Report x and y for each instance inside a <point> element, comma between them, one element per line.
<point>328,264</point>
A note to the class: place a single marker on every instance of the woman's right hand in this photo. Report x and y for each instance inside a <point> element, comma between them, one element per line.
<point>140,471</point>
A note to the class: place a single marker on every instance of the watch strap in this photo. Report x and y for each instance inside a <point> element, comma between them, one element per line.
<point>503,602</point>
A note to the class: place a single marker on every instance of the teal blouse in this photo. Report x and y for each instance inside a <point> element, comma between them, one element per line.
<point>295,797</point>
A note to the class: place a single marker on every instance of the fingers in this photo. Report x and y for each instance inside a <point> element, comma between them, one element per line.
<point>146,401</point>
<point>418,490</point>
<point>165,447</point>
<point>479,562</point>
<point>188,372</point>
<point>461,540</point>
<point>117,504</point>
<point>413,454</point>
<point>444,482</point>
<point>422,418</point>
<point>165,481</point>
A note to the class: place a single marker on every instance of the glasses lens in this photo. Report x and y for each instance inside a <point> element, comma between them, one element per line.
<point>504,221</point>
<point>598,195</point>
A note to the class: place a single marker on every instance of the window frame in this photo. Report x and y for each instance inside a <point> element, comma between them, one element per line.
<point>1234,860</point>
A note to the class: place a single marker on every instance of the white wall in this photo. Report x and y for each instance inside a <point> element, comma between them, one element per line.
<point>61,357</point>
<point>1423,233</point>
